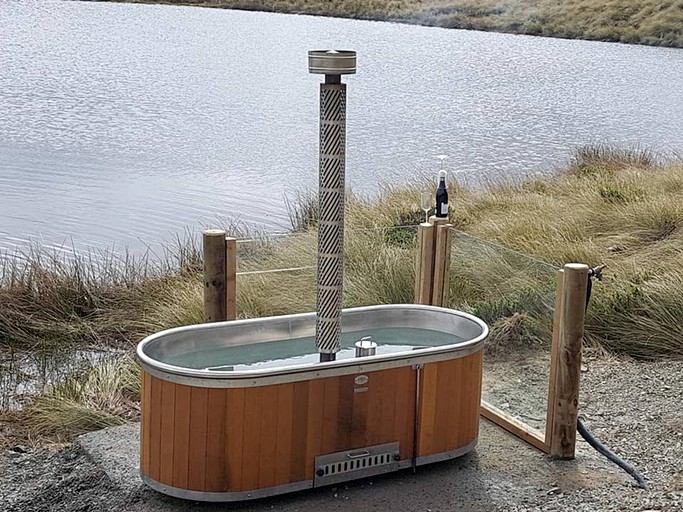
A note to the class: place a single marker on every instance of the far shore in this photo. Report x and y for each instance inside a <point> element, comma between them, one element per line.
<point>644,22</point>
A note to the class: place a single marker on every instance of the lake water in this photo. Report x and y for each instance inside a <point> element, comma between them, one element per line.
<point>122,125</point>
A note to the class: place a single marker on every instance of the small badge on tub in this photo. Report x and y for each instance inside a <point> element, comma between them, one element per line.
<point>361,380</point>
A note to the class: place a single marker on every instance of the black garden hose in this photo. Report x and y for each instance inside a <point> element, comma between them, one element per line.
<point>581,428</point>
<point>590,439</point>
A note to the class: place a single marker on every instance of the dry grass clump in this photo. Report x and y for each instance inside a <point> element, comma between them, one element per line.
<point>635,229</point>
<point>102,396</point>
<point>509,334</point>
<point>628,21</point>
<point>52,300</point>
<point>48,299</point>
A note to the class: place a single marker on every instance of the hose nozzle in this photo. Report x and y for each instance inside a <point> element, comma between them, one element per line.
<point>596,272</point>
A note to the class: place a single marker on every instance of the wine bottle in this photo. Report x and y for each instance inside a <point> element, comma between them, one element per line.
<point>442,196</point>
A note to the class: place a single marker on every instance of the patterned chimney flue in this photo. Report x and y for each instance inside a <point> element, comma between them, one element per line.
<point>332,167</point>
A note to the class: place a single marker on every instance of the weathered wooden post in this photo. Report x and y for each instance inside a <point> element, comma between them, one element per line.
<point>214,275</point>
<point>557,320</point>
<point>433,262</point>
<point>230,278</point>
<point>567,352</point>
<point>424,271</point>
<point>442,263</point>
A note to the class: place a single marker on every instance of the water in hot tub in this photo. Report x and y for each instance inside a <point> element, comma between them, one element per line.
<point>298,351</point>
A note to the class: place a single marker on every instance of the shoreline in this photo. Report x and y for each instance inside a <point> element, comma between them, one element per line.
<point>623,21</point>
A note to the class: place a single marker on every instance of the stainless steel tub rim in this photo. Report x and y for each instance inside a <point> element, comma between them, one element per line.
<point>259,330</point>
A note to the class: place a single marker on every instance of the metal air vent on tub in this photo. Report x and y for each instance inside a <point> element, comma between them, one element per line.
<point>352,464</point>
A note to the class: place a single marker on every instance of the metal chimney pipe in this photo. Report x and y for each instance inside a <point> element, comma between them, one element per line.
<point>332,168</point>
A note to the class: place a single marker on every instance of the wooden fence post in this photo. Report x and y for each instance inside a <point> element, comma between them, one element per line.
<point>230,278</point>
<point>554,347</point>
<point>442,264</point>
<point>214,275</point>
<point>424,270</point>
<point>568,368</point>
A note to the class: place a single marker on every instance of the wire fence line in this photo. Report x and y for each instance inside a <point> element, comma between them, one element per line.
<point>478,241</point>
<point>513,292</point>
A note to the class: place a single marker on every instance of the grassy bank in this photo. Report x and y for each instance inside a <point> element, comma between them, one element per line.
<point>609,206</point>
<point>628,21</point>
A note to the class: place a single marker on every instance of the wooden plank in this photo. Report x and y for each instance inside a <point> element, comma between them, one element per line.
<point>359,419</point>
<point>463,414</point>
<point>443,400</point>
<point>526,433</point>
<point>299,431</point>
<point>198,423</point>
<point>454,387</point>
<point>376,391</point>
<point>234,413</point>
<point>477,361</point>
<point>568,370</point>
<point>252,438</point>
<point>314,430</point>
<point>345,413</point>
<point>445,298</point>
<point>167,430</point>
<point>155,429</point>
<point>285,422</point>
<point>216,473</point>
<point>330,415</point>
<point>145,423</point>
<point>267,450</point>
<point>230,278</point>
<point>441,270</point>
<point>181,436</point>
<point>213,241</point>
<point>387,405</point>
<point>554,353</point>
<point>424,271</point>
<point>427,409</point>
<point>404,411</point>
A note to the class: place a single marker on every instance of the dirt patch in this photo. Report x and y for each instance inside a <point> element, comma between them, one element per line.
<point>47,480</point>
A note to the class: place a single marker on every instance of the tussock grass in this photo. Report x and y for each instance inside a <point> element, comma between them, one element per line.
<point>613,206</point>
<point>509,334</point>
<point>637,308</point>
<point>628,21</point>
<point>102,396</point>
<point>52,300</point>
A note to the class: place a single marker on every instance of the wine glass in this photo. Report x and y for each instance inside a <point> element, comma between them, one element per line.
<point>426,203</point>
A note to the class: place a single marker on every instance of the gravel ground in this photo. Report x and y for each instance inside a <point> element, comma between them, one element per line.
<point>634,408</point>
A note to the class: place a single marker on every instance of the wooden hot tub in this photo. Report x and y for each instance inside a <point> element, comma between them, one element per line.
<point>240,410</point>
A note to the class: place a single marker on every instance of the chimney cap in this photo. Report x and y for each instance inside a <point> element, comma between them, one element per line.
<point>332,62</point>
